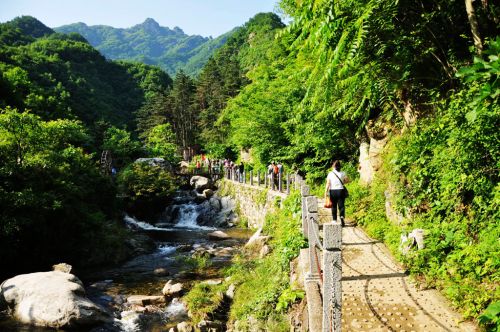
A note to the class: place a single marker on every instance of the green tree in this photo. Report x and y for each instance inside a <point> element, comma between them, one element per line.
<point>122,146</point>
<point>184,115</point>
<point>160,142</point>
<point>52,196</point>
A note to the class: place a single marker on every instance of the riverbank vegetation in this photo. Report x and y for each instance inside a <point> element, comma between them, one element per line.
<point>263,290</point>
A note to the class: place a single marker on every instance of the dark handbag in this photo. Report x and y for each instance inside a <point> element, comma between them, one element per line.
<point>345,193</point>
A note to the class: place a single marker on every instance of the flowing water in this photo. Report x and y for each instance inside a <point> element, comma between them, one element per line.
<point>177,239</point>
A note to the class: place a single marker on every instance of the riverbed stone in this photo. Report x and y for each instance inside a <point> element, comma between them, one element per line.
<point>208,193</point>
<point>212,282</point>
<point>52,299</point>
<point>159,162</point>
<point>184,327</point>
<point>145,299</point>
<point>227,203</point>
<point>200,183</point>
<point>199,198</point>
<point>62,267</point>
<point>264,251</point>
<point>215,203</point>
<point>218,235</point>
<point>161,271</point>
<point>224,252</point>
<point>171,289</point>
<point>230,291</point>
<point>210,326</point>
<point>102,285</point>
<point>184,248</point>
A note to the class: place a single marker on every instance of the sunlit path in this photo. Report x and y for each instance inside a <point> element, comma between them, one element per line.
<point>377,295</point>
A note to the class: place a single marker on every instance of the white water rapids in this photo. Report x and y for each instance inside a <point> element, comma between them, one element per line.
<point>188,213</point>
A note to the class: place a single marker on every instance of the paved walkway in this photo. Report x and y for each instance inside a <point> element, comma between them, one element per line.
<point>378,296</point>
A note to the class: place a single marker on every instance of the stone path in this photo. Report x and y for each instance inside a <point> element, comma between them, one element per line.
<point>378,296</point>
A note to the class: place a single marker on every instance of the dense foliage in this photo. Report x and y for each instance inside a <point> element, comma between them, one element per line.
<point>193,107</point>
<point>59,76</point>
<point>70,104</point>
<point>147,188</point>
<point>150,43</point>
<point>52,196</point>
<point>348,72</point>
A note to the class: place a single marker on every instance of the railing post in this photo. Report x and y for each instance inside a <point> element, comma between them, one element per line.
<point>272,181</point>
<point>279,181</point>
<point>313,236</point>
<point>244,177</point>
<point>258,178</point>
<point>332,285</point>
<point>304,191</point>
<point>312,282</point>
<point>296,181</point>
<point>288,183</point>
<point>251,178</point>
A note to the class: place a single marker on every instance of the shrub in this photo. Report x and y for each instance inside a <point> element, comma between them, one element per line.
<point>146,188</point>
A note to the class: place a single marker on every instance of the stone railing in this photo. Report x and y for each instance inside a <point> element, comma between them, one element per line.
<point>323,279</point>
<point>325,266</point>
<point>280,182</point>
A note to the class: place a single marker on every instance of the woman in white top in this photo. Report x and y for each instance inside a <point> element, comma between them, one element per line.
<point>334,187</point>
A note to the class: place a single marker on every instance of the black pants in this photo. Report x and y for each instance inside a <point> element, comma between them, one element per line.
<point>337,197</point>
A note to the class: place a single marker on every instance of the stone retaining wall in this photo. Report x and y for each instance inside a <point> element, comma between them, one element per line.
<point>252,202</point>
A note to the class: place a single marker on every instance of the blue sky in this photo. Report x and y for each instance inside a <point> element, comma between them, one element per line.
<point>201,17</point>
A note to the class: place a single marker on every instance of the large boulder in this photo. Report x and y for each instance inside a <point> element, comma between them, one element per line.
<point>200,183</point>
<point>171,289</point>
<point>145,299</point>
<point>227,203</point>
<point>258,243</point>
<point>215,203</point>
<point>218,235</point>
<point>160,162</point>
<point>53,299</point>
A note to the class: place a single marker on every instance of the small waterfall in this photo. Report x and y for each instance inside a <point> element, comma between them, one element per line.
<point>165,250</point>
<point>186,219</point>
<point>188,214</point>
<point>134,223</point>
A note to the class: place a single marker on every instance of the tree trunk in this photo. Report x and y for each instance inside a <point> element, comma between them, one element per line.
<point>474,26</point>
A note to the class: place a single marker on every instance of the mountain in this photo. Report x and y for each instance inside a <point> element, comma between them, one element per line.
<point>150,43</point>
<point>62,76</point>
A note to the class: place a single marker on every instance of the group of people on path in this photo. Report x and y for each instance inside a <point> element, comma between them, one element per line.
<point>214,166</point>
<point>335,189</point>
<point>275,172</point>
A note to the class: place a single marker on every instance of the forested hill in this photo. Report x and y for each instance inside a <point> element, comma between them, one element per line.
<point>61,104</point>
<point>150,43</point>
<point>62,76</point>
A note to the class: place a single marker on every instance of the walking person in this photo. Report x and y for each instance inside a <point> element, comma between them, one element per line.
<point>242,171</point>
<point>198,167</point>
<point>335,188</point>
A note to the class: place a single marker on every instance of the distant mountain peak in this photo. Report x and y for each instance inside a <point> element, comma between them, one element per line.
<point>179,30</point>
<point>150,22</point>
<point>31,26</point>
<point>150,26</point>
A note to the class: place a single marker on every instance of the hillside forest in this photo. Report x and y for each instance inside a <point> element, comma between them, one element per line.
<point>420,78</point>
<point>150,43</point>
